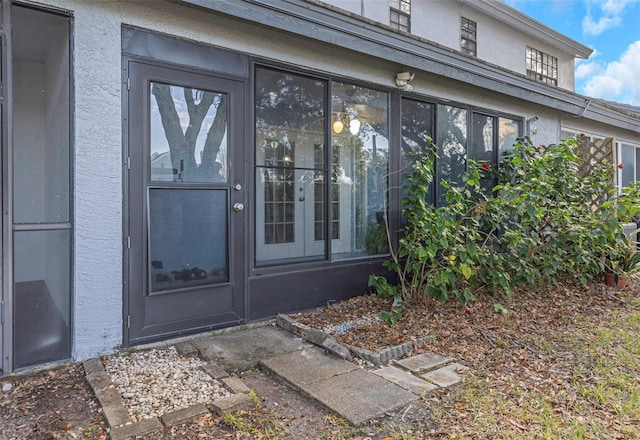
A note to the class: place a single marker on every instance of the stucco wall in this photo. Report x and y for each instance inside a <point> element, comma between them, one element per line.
<point>439,21</point>
<point>97,71</point>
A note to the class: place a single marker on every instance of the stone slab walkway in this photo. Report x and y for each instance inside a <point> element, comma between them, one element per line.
<point>347,389</point>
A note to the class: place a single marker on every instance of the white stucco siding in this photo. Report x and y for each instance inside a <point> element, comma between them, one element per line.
<point>98,191</point>
<point>98,122</point>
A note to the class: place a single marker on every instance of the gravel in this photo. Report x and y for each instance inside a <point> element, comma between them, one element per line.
<point>369,319</point>
<point>155,382</point>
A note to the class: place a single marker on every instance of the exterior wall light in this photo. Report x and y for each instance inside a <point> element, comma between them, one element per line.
<point>403,79</point>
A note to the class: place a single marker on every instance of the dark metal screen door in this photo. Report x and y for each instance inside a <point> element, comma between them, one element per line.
<point>186,202</point>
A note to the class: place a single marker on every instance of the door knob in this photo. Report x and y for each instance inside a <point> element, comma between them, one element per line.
<point>237,207</point>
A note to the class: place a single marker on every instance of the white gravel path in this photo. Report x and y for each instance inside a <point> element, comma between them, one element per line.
<point>155,382</point>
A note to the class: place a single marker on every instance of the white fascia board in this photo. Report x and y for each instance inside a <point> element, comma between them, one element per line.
<point>522,22</point>
<point>314,20</point>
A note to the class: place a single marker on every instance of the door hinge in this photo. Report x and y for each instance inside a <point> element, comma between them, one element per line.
<point>128,242</point>
<point>1,312</point>
<point>129,162</point>
<point>128,83</point>
<point>128,321</point>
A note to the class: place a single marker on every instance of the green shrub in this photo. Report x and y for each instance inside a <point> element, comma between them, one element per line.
<point>541,222</point>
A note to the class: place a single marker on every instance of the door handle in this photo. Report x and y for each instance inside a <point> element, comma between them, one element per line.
<point>237,207</point>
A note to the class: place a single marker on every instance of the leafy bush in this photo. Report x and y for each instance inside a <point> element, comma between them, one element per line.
<point>541,222</point>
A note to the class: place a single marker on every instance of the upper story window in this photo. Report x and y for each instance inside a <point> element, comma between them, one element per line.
<point>468,42</point>
<point>542,67</point>
<point>400,15</point>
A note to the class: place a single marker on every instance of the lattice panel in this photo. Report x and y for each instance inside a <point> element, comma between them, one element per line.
<point>594,153</point>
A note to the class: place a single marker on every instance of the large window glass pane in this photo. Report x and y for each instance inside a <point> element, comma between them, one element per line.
<point>360,131</point>
<point>41,308</point>
<point>188,134</point>
<point>40,117</point>
<point>629,162</point>
<point>483,138</point>
<point>452,147</point>
<point>291,168</point>
<point>508,133</point>
<point>417,130</point>
<point>187,238</point>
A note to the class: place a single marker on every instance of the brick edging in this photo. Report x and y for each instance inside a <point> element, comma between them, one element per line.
<point>324,340</point>
<point>121,426</point>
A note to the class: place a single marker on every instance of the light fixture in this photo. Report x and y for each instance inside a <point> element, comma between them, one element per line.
<point>354,126</point>
<point>337,126</point>
<point>403,79</point>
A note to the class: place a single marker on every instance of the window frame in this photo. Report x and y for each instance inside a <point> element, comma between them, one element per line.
<point>619,171</point>
<point>397,10</point>
<point>395,100</point>
<point>536,62</point>
<point>468,36</point>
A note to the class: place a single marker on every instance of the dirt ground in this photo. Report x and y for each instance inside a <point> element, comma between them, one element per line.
<point>523,347</point>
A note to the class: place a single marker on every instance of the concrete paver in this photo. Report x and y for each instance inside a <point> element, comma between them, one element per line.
<point>307,366</point>
<point>181,415</point>
<point>423,362</point>
<point>406,380</point>
<point>359,395</point>
<point>234,402</point>
<point>243,350</point>
<point>446,376</point>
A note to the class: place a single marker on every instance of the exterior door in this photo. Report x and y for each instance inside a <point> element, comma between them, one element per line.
<point>186,202</point>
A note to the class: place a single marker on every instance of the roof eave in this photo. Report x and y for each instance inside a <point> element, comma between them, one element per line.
<point>312,20</point>
<point>522,22</point>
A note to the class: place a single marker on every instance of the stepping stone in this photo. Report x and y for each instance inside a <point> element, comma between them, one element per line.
<point>446,376</point>
<point>406,380</point>
<point>359,395</point>
<point>423,362</point>
<point>307,366</point>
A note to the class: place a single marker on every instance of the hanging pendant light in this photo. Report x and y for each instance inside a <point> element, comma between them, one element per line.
<point>337,126</point>
<point>354,126</point>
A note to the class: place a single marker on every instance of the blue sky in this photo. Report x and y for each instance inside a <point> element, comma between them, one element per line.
<point>611,28</point>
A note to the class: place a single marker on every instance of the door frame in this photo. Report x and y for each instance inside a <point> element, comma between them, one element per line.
<point>6,269</point>
<point>147,317</point>
<point>169,51</point>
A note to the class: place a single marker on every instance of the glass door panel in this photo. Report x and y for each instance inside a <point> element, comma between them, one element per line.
<point>186,262</point>
<point>188,134</point>
<point>41,319</point>
<point>40,189</point>
<point>187,238</point>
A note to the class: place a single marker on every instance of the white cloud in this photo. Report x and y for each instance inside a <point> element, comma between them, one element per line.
<point>615,7</point>
<point>603,15</point>
<point>595,28</point>
<point>620,80</point>
<point>586,70</point>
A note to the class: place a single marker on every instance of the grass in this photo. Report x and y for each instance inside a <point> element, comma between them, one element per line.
<point>259,423</point>
<point>599,397</point>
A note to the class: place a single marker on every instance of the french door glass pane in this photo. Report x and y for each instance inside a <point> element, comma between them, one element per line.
<point>41,309</point>
<point>188,134</point>
<point>290,166</point>
<point>452,147</point>
<point>187,238</point>
<point>362,146</point>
